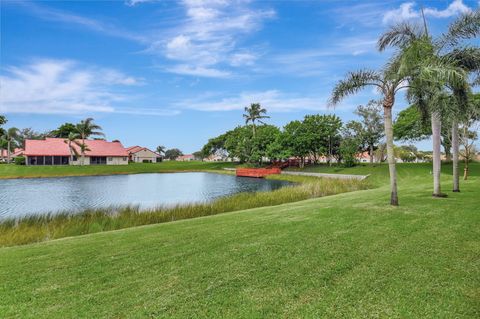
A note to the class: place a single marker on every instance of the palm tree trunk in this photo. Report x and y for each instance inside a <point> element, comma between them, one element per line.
<point>387,110</point>
<point>455,151</point>
<point>437,155</point>
<point>8,151</point>
<point>371,154</point>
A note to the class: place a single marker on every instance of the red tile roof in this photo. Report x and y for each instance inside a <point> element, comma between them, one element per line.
<point>16,152</point>
<point>135,149</point>
<point>58,147</point>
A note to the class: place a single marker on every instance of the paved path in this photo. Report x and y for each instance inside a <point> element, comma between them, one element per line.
<point>340,176</point>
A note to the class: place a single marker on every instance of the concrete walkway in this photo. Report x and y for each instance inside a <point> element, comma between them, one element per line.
<point>340,176</point>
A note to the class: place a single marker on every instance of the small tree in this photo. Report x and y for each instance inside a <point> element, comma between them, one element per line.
<point>173,153</point>
<point>372,125</point>
<point>349,147</point>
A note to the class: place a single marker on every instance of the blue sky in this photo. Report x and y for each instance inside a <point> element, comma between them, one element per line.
<point>156,72</point>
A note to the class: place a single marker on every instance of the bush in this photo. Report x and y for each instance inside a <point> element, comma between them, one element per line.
<point>20,160</point>
<point>348,149</point>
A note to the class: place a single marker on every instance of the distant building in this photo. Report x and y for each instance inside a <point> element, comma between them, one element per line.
<point>185,158</point>
<point>54,151</point>
<point>139,154</point>
<point>16,153</point>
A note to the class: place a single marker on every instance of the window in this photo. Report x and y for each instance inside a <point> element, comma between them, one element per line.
<point>94,160</point>
<point>74,158</point>
<point>124,159</point>
<point>110,159</point>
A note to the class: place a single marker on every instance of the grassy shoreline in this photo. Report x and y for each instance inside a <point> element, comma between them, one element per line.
<point>11,171</point>
<point>30,229</point>
<point>349,255</point>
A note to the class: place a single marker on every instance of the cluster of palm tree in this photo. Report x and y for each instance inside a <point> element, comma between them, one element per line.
<point>76,138</point>
<point>435,73</point>
<point>9,139</point>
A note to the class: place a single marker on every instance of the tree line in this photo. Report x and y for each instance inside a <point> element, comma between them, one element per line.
<point>314,137</point>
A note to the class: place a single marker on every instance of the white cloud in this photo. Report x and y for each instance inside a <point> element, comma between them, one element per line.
<point>404,12</point>
<point>61,87</point>
<point>51,14</point>
<point>456,7</point>
<point>185,69</point>
<point>132,3</point>
<point>273,100</point>
<point>206,42</point>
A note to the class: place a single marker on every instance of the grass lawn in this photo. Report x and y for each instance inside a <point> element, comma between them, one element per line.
<point>347,256</point>
<point>20,171</point>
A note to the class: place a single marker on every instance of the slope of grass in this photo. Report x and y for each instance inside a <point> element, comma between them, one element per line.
<point>345,256</point>
<point>18,171</point>
<point>51,226</point>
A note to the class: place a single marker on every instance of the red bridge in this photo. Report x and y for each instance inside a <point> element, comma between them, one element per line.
<point>257,172</point>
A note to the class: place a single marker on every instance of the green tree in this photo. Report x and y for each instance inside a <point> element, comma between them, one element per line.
<point>294,137</point>
<point>372,130</point>
<point>72,141</point>
<point>28,134</point>
<point>11,136</point>
<point>388,82</point>
<point>64,130</point>
<point>85,129</point>
<point>255,113</point>
<point>173,153</point>
<point>319,132</point>
<point>433,66</point>
<point>3,121</point>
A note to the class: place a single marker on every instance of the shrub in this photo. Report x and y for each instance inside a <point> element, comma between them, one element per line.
<point>348,150</point>
<point>20,160</point>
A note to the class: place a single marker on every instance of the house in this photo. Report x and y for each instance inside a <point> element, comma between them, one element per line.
<point>54,151</point>
<point>139,154</point>
<point>186,158</point>
<point>16,153</point>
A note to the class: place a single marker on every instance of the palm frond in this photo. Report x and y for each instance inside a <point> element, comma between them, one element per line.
<point>399,36</point>
<point>467,26</point>
<point>353,83</point>
<point>467,58</point>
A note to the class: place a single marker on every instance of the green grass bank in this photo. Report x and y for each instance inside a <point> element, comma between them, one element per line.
<point>344,256</point>
<point>51,226</point>
<point>21,171</point>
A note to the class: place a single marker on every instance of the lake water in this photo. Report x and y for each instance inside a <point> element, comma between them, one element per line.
<point>21,197</point>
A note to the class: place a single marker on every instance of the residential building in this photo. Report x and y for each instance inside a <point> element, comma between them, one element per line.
<point>139,154</point>
<point>186,158</point>
<point>55,151</point>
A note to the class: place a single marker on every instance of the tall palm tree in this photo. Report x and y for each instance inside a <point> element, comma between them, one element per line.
<point>72,140</point>
<point>419,50</point>
<point>255,113</point>
<point>388,82</point>
<point>85,129</point>
<point>161,149</point>
<point>11,135</point>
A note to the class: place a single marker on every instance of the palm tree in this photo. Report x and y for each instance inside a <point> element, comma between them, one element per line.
<point>255,113</point>
<point>422,53</point>
<point>161,149</point>
<point>388,82</point>
<point>87,128</point>
<point>72,140</point>
<point>11,135</point>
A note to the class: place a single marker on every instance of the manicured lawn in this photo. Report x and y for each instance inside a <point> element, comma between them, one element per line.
<point>16,171</point>
<point>346,256</point>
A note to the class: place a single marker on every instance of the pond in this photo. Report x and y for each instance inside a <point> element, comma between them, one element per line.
<point>22,197</point>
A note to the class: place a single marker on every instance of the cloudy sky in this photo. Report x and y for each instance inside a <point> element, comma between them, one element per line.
<point>157,72</point>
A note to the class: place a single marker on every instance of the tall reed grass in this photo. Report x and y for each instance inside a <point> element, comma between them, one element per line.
<point>51,226</point>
